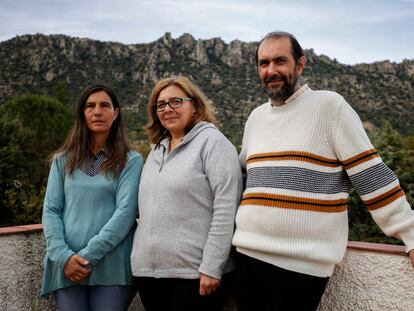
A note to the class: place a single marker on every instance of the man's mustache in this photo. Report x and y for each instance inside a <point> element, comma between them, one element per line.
<point>274,78</point>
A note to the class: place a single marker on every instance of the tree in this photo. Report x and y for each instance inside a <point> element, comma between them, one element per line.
<point>31,127</point>
<point>62,93</point>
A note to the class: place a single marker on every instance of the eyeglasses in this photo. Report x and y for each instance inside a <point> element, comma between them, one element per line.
<point>174,102</point>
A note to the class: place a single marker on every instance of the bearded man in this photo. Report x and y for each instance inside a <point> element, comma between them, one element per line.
<point>303,150</point>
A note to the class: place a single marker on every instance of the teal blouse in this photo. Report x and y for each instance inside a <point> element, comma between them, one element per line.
<point>94,217</point>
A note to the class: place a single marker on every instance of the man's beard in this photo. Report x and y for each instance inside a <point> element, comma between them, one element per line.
<point>281,94</point>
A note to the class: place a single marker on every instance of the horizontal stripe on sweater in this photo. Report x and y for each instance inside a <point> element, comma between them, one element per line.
<point>299,179</point>
<point>294,155</point>
<point>314,158</point>
<point>373,178</point>
<point>291,202</point>
<point>385,198</point>
<point>360,158</point>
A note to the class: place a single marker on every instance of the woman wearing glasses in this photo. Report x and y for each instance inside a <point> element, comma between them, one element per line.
<point>188,195</point>
<point>90,209</point>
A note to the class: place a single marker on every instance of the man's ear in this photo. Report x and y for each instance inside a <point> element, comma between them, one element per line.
<point>300,65</point>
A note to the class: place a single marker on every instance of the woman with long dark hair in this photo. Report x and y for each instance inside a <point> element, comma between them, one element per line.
<point>90,209</point>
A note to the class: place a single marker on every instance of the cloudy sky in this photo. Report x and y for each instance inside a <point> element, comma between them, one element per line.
<point>352,31</point>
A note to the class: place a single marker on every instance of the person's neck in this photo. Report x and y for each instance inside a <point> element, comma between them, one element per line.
<point>97,143</point>
<point>277,103</point>
<point>175,140</point>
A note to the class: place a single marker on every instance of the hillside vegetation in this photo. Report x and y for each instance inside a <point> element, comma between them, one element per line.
<point>225,71</point>
<point>41,77</point>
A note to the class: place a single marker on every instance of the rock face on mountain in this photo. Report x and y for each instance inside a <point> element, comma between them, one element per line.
<point>226,72</point>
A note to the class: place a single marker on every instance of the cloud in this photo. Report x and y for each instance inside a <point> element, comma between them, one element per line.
<point>351,31</point>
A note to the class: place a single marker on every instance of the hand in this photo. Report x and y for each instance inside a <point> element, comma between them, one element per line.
<point>411,254</point>
<point>208,284</point>
<point>76,268</point>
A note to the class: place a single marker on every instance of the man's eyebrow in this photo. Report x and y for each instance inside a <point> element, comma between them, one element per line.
<point>269,59</point>
<point>101,102</point>
<point>279,57</point>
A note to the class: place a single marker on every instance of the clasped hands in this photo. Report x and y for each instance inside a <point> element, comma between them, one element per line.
<point>76,268</point>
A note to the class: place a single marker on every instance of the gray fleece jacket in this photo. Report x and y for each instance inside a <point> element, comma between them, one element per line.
<point>187,204</point>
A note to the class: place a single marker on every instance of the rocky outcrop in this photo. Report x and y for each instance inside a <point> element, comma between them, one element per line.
<point>225,71</point>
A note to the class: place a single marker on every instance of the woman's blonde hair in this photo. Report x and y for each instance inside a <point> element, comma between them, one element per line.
<point>204,108</point>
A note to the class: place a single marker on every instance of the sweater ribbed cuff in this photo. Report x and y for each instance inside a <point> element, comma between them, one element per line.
<point>408,238</point>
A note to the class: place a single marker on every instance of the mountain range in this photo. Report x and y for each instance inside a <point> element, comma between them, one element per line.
<point>226,72</point>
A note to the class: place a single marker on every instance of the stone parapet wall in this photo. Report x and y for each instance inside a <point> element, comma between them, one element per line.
<point>372,277</point>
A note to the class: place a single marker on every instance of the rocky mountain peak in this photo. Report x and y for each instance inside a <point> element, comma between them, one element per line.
<point>225,71</point>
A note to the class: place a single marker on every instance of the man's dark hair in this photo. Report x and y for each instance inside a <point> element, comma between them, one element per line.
<point>297,51</point>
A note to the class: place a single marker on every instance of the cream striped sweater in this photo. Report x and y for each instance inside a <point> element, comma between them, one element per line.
<point>302,159</point>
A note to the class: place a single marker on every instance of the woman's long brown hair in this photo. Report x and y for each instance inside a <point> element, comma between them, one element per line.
<point>77,144</point>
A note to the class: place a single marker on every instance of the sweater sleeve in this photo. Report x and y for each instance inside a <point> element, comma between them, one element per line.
<point>123,219</point>
<point>374,181</point>
<point>52,219</point>
<point>223,172</point>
